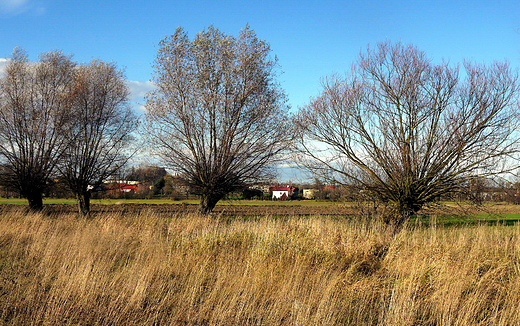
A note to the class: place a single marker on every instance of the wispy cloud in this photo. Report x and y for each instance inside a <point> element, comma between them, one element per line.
<point>15,7</point>
<point>288,165</point>
<point>138,90</point>
<point>3,63</point>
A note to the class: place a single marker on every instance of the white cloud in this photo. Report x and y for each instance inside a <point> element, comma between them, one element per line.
<point>138,90</point>
<point>3,63</point>
<point>12,5</point>
<point>15,7</point>
<point>287,165</point>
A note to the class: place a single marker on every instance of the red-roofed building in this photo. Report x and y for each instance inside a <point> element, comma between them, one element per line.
<point>329,188</point>
<point>283,192</point>
<point>127,188</point>
<point>116,188</point>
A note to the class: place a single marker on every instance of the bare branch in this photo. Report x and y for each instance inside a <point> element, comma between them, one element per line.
<point>101,131</point>
<point>34,103</point>
<point>409,131</point>
<point>217,116</point>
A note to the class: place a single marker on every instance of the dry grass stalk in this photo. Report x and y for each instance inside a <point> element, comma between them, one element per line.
<point>196,270</point>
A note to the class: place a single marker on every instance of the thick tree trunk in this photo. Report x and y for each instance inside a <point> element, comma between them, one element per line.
<point>404,214</point>
<point>35,201</point>
<point>208,202</point>
<point>84,203</point>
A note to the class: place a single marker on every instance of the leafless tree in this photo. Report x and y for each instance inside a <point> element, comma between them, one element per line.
<point>407,131</point>
<point>217,116</point>
<point>101,130</point>
<point>34,102</point>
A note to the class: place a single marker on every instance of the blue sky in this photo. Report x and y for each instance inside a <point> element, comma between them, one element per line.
<point>311,39</point>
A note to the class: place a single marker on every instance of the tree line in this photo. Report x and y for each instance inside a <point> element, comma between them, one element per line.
<point>397,126</point>
<point>62,118</point>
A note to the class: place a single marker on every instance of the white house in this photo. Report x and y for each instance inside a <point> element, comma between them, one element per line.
<point>282,192</point>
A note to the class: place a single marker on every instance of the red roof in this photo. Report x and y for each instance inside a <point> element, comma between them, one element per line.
<point>279,188</point>
<point>123,186</point>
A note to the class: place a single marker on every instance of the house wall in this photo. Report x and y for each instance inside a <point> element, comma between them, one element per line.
<point>309,193</point>
<point>278,194</point>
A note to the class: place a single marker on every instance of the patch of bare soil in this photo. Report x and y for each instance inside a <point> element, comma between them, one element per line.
<point>265,210</point>
<point>471,209</point>
<point>173,209</point>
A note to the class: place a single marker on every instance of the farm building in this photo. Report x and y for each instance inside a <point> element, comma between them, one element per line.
<point>310,193</point>
<point>284,193</point>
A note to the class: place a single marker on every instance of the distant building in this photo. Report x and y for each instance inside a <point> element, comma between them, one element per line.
<point>283,193</point>
<point>118,188</point>
<point>330,188</point>
<point>124,182</point>
<point>310,193</point>
<point>262,187</point>
<point>128,187</point>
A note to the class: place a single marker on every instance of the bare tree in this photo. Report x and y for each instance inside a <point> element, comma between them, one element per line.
<point>34,102</point>
<point>101,130</point>
<point>217,116</point>
<point>407,130</point>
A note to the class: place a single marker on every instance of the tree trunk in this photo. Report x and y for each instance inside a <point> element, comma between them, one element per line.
<point>207,203</point>
<point>35,201</point>
<point>404,214</point>
<point>84,203</point>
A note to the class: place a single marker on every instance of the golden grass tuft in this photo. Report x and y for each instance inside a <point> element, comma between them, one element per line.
<point>146,269</point>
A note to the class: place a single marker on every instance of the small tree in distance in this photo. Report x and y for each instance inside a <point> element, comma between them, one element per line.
<point>217,116</point>
<point>408,131</point>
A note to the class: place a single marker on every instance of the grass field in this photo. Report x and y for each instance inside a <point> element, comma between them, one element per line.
<point>446,213</point>
<point>148,269</point>
<point>54,201</point>
<point>471,219</point>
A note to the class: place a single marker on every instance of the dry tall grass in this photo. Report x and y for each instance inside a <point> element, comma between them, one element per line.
<point>195,270</point>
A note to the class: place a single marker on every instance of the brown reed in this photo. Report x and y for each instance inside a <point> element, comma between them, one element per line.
<point>147,269</point>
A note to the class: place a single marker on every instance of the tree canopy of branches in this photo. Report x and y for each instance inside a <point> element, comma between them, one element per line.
<point>58,116</point>
<point>101,130</point>
<point>34,112</point>
<point>406,130</point>
<point>217,116</point>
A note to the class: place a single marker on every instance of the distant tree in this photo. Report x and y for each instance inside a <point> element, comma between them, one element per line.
<point>217,116</point>
<point>34,112</point>
<point>147,173</point>
<point>175,186</point>
<point>252,193</point>
<point>408,131</point>
<point>6,190</point>
<point>158,186</point>
<point>102,128</point>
